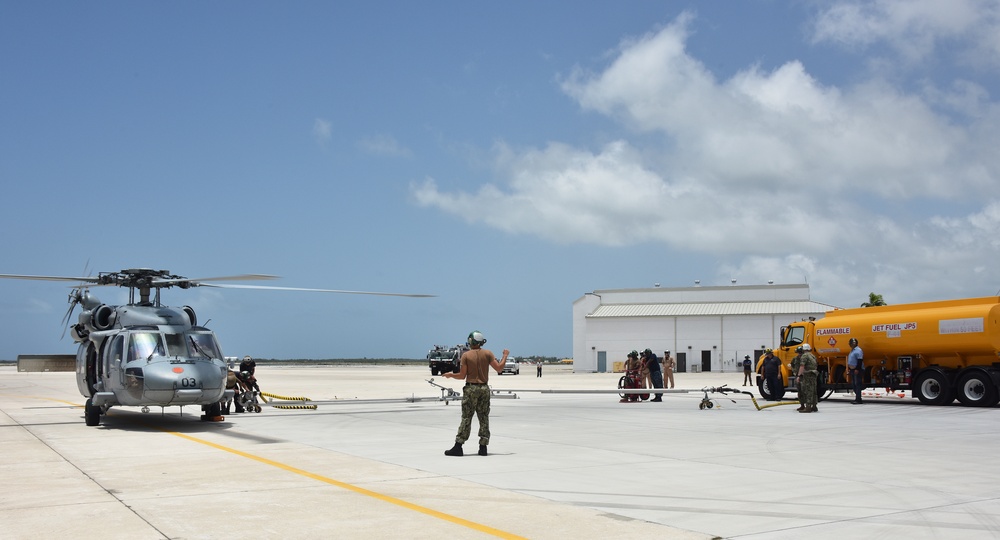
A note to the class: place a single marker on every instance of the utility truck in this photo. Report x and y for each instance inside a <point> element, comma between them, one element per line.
<point>938,350</point>
<point>442,359</point>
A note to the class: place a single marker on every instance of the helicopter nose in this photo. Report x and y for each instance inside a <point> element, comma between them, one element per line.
<point>185,382</point>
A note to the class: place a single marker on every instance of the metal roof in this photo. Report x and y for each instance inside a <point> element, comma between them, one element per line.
<point>710,308</point>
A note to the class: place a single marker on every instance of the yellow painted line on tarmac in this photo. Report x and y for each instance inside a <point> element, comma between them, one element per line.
<point>359,490</point>
<point>343,485</point>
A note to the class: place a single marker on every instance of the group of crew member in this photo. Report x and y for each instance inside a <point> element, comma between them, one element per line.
<point>805,367</point>
<point>646,370</point>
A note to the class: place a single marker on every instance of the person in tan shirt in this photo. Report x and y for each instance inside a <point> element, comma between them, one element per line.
<point>475,370</point>
<point>668,370</point>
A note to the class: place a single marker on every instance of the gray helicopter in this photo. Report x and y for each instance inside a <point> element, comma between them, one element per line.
<point>145,354</point>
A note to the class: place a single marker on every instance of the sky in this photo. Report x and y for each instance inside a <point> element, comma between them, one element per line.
<point>507,157</point>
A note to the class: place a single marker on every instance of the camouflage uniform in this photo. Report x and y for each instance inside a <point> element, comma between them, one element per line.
<point>796,362</point>
<point>475,399</point>
<point>807,384</point>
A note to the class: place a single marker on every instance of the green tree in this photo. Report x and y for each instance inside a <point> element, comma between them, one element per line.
<point>874,300</point>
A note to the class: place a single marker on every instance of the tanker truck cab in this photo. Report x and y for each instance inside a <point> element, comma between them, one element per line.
<point>792,336</point>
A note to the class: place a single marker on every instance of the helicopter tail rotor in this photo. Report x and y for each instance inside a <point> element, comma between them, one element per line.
<point>75,297</point>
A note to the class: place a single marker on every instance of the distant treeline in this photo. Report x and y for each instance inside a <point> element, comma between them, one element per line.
<point>542,359</point>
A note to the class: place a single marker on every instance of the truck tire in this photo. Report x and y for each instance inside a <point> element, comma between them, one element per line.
<point>933,388</point>
<point>765,391</point>
<point>822,391</point>
<point>975,388</point>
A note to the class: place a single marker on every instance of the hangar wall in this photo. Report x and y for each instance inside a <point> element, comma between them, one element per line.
<point>704,328</point>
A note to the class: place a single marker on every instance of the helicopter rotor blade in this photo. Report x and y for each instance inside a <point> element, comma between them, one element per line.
<point>69,312</point>
<point>123,279</point>
<point>86,280</point>
<point>264,287</point>
<point>242,277</point>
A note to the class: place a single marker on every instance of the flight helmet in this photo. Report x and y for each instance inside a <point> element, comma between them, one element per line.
<point>476,339</point>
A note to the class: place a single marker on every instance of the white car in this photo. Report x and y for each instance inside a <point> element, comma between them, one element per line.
<point>511,366</point>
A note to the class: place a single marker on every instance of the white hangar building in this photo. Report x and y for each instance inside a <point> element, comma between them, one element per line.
<point>704,328</point>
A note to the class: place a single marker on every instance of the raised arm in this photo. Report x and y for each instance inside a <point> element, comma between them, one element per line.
<point>498,365</point>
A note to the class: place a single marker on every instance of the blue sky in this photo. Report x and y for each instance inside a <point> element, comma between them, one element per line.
<point>507,157</point>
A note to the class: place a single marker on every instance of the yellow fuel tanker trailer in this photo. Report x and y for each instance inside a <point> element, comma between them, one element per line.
<point>938,350</point>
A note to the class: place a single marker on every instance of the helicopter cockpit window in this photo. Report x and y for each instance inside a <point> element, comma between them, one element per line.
<point>175,345</point>
<point>795,336</point>
<point>116,352</point>
<point>203,345</point>
<point>145,345</point>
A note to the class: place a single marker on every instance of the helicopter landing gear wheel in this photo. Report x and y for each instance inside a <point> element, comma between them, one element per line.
<point>211,412</point>
<point>91,413</point>
<point>256,408</point>
<point>706,404</point>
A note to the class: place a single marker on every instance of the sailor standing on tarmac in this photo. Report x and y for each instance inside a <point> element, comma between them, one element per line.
<point>808,373</point>
<point>796,362</point>
<point>856,365</point>
<point>475,370</point>
<point>771,374</point>
<point>656,376</point>
<point>669,365</point>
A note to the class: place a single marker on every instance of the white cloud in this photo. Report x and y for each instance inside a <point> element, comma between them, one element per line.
<point>788,178</point>
<point>915,29</point>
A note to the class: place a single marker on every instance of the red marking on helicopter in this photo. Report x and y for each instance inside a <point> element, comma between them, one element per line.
<point>178,370</point>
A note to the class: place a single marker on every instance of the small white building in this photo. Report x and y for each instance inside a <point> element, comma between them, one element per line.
<point>703,328</point>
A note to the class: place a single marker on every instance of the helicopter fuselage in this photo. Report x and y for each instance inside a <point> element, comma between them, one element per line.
<point>137,355</point>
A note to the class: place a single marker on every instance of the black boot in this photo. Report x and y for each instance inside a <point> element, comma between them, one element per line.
<point>455,450</point>
<point>482,449</point>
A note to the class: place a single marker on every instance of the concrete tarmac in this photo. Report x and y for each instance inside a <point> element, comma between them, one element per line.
<point>559,465</point>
